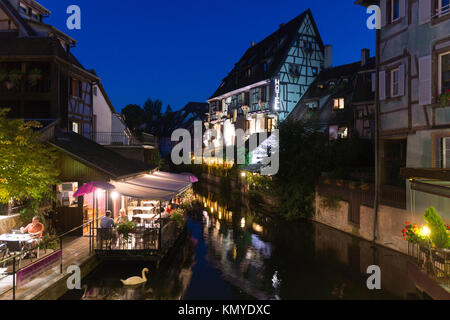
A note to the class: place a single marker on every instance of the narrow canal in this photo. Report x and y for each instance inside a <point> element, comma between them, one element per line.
<point>233,252</point>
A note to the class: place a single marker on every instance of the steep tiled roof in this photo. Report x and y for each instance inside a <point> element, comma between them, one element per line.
<point>275,47</point>
<point>184,118</point>
<point>97,156</point>
<point>357,88</point>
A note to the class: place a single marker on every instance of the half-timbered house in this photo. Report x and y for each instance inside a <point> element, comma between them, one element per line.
<point>341,100</point>
<point>268,81</point>
<point>414,113</point>
<point>39,76</point>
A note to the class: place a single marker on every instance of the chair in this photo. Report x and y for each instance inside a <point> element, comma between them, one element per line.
<point>3,249</point>
<point>35,239</point>
<point>139,237</point>
<point>105,236</point>
<point>13,247</point>
<point>150,238</point>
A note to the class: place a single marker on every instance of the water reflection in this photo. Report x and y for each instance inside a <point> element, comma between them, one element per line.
<point>232,251</point>
<point>270,259</point>
<point>168,281</point>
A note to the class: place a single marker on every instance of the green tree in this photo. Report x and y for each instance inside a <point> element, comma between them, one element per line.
<point>168,109</point>
<point>134,116</point>
<point>152,111</point>
<point>27,166</point>
<point>303,157</point>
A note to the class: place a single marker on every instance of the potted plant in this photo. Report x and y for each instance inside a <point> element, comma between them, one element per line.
<point>178,217</point>
<point>444,98</point>
<point>125,229</point>
<point>340,183</point>
<point>352,185</point>
<point>34,76</point>
<point>15,76</point>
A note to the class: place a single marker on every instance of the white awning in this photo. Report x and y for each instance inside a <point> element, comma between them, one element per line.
<point>156,186</point>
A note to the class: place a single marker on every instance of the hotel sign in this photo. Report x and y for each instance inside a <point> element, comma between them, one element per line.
<point>277,94</point>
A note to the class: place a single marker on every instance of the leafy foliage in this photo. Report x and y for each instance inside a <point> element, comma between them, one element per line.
<point>306,153</point>
<point>302,159</point>
<point>178,217</point>
<point>126,228</point>
<point>439,235</point>
<point>134,116</point>
<point>413,234</point>
<point>27,166</point>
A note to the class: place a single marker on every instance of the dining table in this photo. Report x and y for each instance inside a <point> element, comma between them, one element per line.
<point>13,237</point>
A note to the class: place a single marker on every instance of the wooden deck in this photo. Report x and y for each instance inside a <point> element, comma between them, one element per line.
<point>75,252</point>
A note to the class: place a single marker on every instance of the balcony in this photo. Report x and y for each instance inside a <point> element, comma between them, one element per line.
<point>114,138</point>
<point>259,107</point>
<point>24,86</point>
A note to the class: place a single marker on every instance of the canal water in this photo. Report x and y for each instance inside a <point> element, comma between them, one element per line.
<point>234,251</point>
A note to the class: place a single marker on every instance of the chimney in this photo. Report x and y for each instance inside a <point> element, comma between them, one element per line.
<point>328,56</point>
<point>253,43</point>
<point>365,56</point>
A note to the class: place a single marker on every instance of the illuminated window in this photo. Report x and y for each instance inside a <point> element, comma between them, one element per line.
<point>339,104</point>
<point>75,127</point>
<point>394,83</point>
<point>269,124</point>
<point>343,133</point>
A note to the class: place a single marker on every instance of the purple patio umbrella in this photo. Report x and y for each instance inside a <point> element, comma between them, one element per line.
<point>90,187</point>
<point>192,178</point>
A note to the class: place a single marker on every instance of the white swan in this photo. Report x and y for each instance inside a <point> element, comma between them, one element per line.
<point>136,280</point>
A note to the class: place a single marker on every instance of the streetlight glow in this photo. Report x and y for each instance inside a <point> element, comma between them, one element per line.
<point>426,231</point>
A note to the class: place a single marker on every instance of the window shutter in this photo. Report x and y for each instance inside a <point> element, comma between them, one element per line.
<point>402,10</point>
<point>382,85</point>
<point>374,84</point>
<point>425,80</point>
<point>424,11</point>
<point>383,8</point>
<point>401,80</point>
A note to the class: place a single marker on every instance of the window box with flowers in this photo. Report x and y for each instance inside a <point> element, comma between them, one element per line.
<point>444,99</point>
<point>430,245</point>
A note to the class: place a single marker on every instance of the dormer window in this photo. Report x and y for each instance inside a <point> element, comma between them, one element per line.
<point>35,16</point>
<point>24,10</point>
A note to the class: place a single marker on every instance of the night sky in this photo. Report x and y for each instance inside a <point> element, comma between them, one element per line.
<point>179,51</point>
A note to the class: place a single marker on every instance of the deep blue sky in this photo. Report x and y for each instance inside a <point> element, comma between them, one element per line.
<point>179,51</point>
